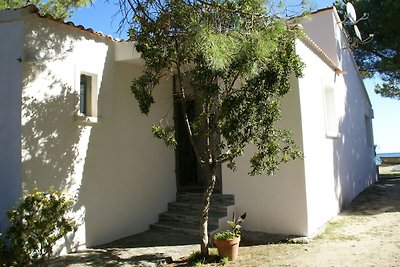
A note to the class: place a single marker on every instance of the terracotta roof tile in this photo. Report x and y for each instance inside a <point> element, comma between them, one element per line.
<point>34,10</point>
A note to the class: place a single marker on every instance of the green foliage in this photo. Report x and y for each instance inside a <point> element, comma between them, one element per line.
<point>225,235</point>
<point>235,58</point>
<point>234,232</point>
<point>35,226</point>
<point>389,89</point>
<point>224,261</point>
<point>197,259</point>
<point>142,89</point>
<point>56,8</point>
<point>3,251</point>
<point>381,56</point>
<point>166,134</point>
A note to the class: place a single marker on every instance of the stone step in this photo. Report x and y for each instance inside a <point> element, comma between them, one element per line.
<point>183,216</point>
<point>187,229</point>
<point>197,198</point>
<point>195,209</point>
<point>184,219</point>
<point>175,228</point>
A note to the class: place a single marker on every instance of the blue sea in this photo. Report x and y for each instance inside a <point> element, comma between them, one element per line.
<point>378,155</point>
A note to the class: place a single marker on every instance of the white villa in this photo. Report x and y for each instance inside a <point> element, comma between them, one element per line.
<point>104,154</point>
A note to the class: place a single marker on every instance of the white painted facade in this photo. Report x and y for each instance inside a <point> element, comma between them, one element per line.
<point>332,131</point>
<point>10,113</point>
<point>122,177</point>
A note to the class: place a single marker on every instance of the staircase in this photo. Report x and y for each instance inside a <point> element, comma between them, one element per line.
<point>183,216</point>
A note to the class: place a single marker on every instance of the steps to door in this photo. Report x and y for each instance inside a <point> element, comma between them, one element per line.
<point>183,216</point>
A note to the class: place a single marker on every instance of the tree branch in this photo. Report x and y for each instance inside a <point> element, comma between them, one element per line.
<point>141,8</point>
<point>184,107</point>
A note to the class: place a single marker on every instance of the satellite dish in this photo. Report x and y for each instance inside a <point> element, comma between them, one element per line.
<point>358,33</point>
<point>351,13</point>
<point>351,20</point>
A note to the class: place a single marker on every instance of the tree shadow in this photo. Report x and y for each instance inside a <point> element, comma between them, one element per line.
<point>353,156</point>
<point>153,238</point>
<point>49,145</point>
<point>111,257</point>
<point>149,248</point>
<point>49,137</point>
<point>53,144</point>
<point>381,197</point>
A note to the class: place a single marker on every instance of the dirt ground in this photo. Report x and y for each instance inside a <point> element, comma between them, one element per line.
<point>367,234</point>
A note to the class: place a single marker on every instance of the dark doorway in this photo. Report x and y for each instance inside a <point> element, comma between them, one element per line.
<point>189,175</point>
<point>186,165</point>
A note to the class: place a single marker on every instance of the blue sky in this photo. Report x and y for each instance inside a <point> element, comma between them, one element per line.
<point>102,16</point>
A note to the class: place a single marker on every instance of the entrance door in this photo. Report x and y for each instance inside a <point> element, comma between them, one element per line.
<point>189,175</point>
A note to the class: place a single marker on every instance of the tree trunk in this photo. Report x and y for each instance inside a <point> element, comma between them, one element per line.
<point>206,206</point>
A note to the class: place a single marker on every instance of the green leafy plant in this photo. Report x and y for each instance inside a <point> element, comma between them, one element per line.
<point>3,251</point>
<point>378,58</point>
<point>55,8</point>
<point>234,232</point>
<point>36,225</point>
<point>197,259</point>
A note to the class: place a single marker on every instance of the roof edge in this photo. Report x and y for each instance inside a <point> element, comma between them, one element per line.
<point>322,9</point>
<point>32,9</point>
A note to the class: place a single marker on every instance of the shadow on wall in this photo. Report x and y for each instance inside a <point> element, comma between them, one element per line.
<point>353,157</point>
<point>49,143</point>
<point>49,138</point>
<point>46,40</point>
<point>53,144</point>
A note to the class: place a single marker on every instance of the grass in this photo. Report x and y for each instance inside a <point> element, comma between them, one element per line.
<point>196,259</point>
<point>334,229</point>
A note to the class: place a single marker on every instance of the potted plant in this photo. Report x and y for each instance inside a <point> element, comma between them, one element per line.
<point>227,241</point>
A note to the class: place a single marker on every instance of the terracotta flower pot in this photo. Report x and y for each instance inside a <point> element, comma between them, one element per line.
<point>228,248</point>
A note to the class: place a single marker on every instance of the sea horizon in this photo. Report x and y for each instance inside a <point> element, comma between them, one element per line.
<point>390,155</point>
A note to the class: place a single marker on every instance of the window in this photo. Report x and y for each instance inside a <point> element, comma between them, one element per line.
<point>85,95</point>
<point>87,90</point>
<point>331,119</point>
<point>368,131</point>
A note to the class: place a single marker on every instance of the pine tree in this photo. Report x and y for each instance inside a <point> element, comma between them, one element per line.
<point>381,56</point>
<point>58,9</point>
<point>235,58</point>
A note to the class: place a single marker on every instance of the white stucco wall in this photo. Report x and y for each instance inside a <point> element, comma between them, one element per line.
<point>11,32</point>
<point>120,176</point>
<point>337,168</point>
<point>320,27</point>
<point>321,183</point>
<point>304,194</point>
<point>277,203</point>
<point>137,179</point>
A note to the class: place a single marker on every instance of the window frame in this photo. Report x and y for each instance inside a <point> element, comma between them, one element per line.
<point>89,115</point>
<point>330,111</point>
<point>85,103</point>
<point>369,133</point>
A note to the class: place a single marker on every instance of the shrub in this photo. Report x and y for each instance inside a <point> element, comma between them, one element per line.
<point>225,235</point>
<point>234,231</point>
<point>3,251</point>
<point>36,225</point>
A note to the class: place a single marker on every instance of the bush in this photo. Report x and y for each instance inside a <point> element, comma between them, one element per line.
<point>36,225</point>
<point>3,251</point>
<point>225,235</point>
